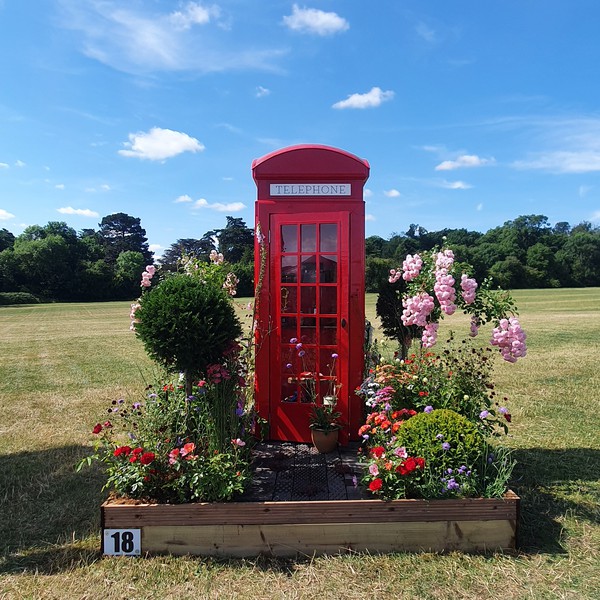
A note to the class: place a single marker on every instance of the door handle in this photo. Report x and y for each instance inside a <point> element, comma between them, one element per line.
<point>343,322</point>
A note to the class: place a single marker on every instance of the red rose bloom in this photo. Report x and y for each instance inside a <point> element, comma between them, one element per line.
<point>138,450</point>
<point>420,462</point>
<point>122,450</point>
<point>508,417</point>
<point>97,429</point>
<point>375,485</point>
<point>147,458</point>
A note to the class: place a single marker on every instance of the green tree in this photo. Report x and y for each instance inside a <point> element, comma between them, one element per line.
<point>236,240</point>
<point>7,239</point>
<point>121,232</point>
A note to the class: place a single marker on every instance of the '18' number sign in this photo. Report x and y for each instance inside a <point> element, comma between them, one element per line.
<point>122,542</point>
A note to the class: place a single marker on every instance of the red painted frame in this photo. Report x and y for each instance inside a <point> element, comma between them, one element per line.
<point>303,165</point>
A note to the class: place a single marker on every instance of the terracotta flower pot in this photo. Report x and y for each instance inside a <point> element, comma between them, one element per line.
<point>325,441</point>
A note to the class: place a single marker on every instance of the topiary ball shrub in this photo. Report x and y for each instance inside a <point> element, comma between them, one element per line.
<point>454,449</point>
<point>186,324</point>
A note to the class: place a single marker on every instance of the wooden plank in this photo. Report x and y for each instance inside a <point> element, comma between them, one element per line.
<point>305,539</point>
<point>309,512</point>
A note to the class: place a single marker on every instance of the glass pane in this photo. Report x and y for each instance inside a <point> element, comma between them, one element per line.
<point>329,369</point>
<point>289,329</point>
<point>289,388</point>
<point>289,269</point>
<point>308,330</point>
<point>309,238</point>
<point>328,300</point>
<point>289,299</point>
<point>328,237</point>
<point>328,331</point>
<point>308,269</point>
<point>308,300</point>
<point>328,268</point>
<point>289,238</point>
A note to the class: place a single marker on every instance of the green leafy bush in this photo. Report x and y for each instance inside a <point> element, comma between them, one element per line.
<point>186,324</point>
<point>7,298</point>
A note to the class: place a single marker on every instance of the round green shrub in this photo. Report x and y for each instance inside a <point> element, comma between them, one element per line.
<point>443,438</point>
<point>186,324</point>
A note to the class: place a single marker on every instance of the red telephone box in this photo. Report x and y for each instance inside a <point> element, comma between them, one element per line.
<point>310,219</point>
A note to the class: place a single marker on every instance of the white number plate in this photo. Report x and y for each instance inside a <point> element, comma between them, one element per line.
<point>122,542</point>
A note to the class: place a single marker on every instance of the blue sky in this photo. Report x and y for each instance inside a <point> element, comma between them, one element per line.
<point>470,113</point>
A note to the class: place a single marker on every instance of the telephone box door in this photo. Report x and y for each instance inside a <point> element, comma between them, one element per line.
<point>309,306</point>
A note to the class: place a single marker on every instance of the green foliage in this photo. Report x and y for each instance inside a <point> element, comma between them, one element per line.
<point>175,448</point>
<point>7,298</point>
<point>426,433</point>
<point>186,324</point>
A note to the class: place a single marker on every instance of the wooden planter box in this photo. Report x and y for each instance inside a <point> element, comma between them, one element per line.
<point>245,529</point>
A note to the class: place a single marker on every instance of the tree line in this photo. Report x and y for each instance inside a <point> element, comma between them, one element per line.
<point>56,263</point>
<point>527,252</point>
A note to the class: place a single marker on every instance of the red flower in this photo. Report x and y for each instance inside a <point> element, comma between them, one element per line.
<point>97,429</point>
<point>147,458</point>
<point>508,417</point>
<point>378,451</point>
<point>423,394</point>
<point>107,424</point>
<point>420,462</point>
<point>375,485</point>
<point>133,458</point>
<point>138,451</point>
<point>122,450</point>
<point>408,466</point>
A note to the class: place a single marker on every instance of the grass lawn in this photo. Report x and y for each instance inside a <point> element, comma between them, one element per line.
<point>62,364</point>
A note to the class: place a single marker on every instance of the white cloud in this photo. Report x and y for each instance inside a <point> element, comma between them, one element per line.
<point>466,160</point>
<point>159,144</point>
<point>371,99</point>
<point>19,163</point>
<point>181,199</point>
<point>261,92</point>
<point>105,187</point>
<point>479,207</point>
<point>367,193</point>
<point>426,33</point>
<point>4,166</point>
<point>585,161</point>
<point>5,215</point>
<point>312,20</point>
<point>456,185</point>
<point>218,206</point>
<point>595,218</point>
<point>60,186</point>
<point>393,193</point>
<point>82,212</point>
<point>193,14</point>
<point>369,217</point>
<point>583,190</point>
<point>565,145</point>
<point>154,247</point>
<point>133,37</point>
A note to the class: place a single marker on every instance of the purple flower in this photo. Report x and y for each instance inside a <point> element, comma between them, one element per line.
<point>288,366</point>
<point>445,446</point>
<point>334,356</point>
<point>503,410</point>
<point>428,409</point>
<point>439,436</point>
<point>136,405</point>
<point>299,346</point>
<point>120,401</point>
<point>293,340</point>
<point>452,485</point>
<point>301,353</point>
<point>483,414</point>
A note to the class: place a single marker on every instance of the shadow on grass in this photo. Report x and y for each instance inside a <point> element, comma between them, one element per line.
<point>48,512</point>
<point>553,484</point>
<point>47,509</point>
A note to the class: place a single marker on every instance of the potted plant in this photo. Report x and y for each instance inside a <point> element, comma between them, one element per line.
<point>324,425</point>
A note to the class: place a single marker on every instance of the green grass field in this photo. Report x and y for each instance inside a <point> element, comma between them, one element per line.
<point>61,365</point>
